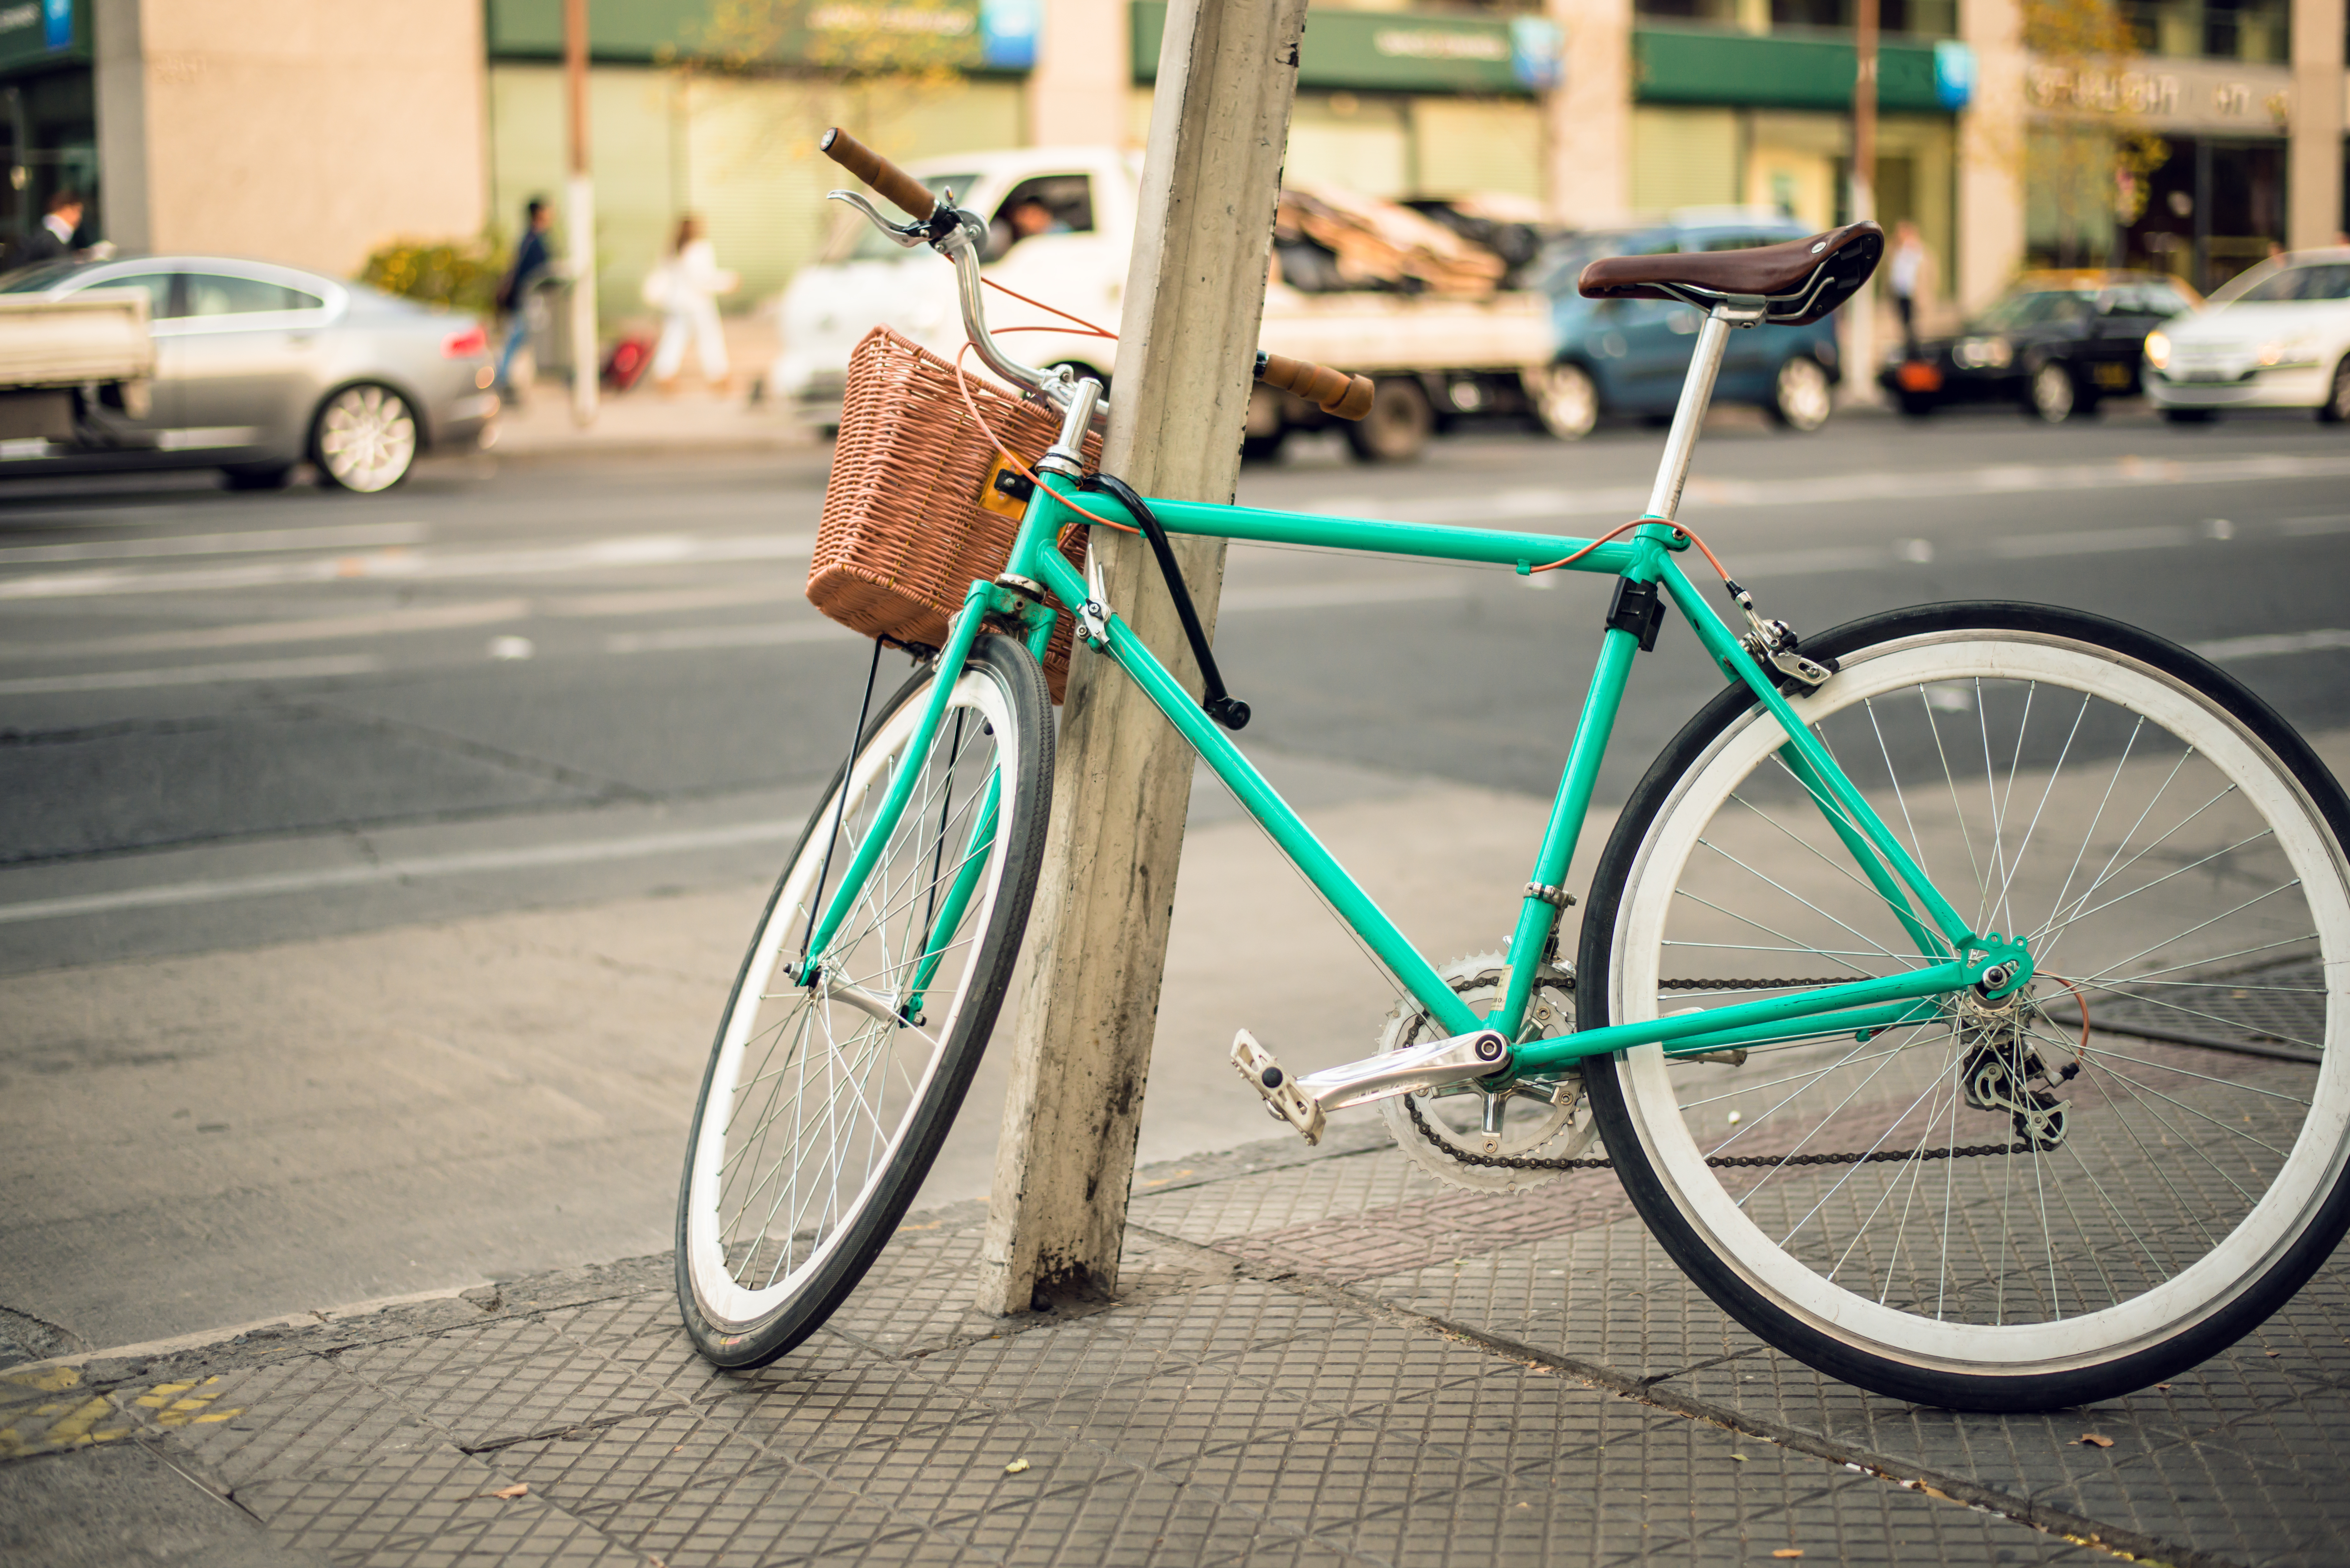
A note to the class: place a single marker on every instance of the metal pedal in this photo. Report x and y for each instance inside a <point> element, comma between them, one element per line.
<point>1283,1098</point>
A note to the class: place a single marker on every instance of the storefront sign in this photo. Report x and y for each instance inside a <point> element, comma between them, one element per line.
<point>858,35</point>
<point>37,33</point>
<point>2158,95</point>
<point>1954,74</point>
<point>1711,66</point>
<point>1398,51</point>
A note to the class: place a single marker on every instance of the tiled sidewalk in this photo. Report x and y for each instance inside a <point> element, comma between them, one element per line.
<point>1318,1357</point>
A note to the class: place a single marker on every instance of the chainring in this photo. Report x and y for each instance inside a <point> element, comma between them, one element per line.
<point>1454,1120</point>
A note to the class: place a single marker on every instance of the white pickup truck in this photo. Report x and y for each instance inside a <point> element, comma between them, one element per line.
<point>1062,222</point>
<point>72,370</point>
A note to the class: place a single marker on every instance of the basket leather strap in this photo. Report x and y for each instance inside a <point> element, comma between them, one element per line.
<point>1224,709</point>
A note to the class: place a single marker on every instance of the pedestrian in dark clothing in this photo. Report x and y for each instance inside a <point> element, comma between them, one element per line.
<point>533,260</point>
<point>53,240</point>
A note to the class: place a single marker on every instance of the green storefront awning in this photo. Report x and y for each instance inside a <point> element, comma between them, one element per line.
<point>1704,66</point>
<point>851,35</point>
<point>1397,51</point>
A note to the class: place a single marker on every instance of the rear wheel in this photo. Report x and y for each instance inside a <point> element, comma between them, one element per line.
<point>2051,395</point>
<point>1398,424</point>
<point>824,1105</point>
<point>1566,399</point>
<point>1801,395</point>
<point>365,439</point>
<point>1992,1206</point>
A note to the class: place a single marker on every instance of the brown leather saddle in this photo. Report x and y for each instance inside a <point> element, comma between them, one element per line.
<point>1797,282</point>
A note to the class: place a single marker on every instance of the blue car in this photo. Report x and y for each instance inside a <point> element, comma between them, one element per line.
<point>1627,356</point>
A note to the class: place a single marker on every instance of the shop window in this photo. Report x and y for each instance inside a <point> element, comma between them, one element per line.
<point>2253,30</point>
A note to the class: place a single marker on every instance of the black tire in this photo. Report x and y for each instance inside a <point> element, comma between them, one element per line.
<point>906,1077</point>
<point>1398,425</point>
<point>1264,448</point>
<point>2190,416</point>
<point>2335,409</point>
<point>1917,405</point>
<point>1828,1285</point>
<point>258,475</point>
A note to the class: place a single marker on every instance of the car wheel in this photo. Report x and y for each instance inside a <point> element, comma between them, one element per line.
<point>1801,398</point>
<point>258,475</point>
<point>1398,425</point>
<point>365,439</point>
<point>1917,405</point>
<point>1264,448</point>
<point>2052,394</point>
<point>1566,399</point>
<point>2335,409</point>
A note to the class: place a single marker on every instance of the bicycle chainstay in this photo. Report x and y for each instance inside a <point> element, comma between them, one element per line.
<point>1748,1161</point>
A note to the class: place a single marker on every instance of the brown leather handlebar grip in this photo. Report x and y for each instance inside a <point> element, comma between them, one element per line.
<point>899,189</point>
<point>1349,397</point>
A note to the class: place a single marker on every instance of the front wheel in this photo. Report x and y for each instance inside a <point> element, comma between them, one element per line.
<point>365,439</point>
<point>824,1105</point>
<point>2009,1205</point>
<point>2335,409</point>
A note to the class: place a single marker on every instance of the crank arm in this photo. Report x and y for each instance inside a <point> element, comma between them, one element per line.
<point>1302,1102</point>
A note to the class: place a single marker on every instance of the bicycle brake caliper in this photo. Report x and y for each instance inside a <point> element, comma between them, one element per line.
<point>1773,643</point>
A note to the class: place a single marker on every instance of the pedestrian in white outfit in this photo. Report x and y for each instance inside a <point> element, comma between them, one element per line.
<point>685,288</point>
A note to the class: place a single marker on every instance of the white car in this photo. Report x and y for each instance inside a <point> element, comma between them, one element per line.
<point>2276,338</point>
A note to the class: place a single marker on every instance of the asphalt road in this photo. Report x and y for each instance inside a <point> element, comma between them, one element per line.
<point>229,721</point>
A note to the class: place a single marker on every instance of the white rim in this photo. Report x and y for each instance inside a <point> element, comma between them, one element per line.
<point>2051,392</point>
<point>2309,1171</point>
<point>1803,393</point>
<point>1567,401</point>
<point>367,438</point>
<point>900,1055</point>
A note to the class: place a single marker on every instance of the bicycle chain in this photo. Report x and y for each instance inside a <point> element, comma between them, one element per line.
<point>1747,1161</point>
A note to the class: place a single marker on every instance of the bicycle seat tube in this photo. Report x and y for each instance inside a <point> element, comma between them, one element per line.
<point>1735,310</point>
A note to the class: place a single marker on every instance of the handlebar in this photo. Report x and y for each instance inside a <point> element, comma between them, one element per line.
<point>955,235</point>
<point>1349,397</point>
<point>897,187</point>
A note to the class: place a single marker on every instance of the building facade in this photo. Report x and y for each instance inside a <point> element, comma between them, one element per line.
<point>2192,139</point>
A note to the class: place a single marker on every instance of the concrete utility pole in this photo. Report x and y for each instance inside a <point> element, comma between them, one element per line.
<point>1860,338</point>
<point>1990,241</point>
<point>1587,117</point>
<point>2313,161</point>
<point>579,210</point>
<point>1097,940</point>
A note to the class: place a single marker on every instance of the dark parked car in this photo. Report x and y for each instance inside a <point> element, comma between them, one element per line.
<point>2053,345</point>
<point>1628,356</point>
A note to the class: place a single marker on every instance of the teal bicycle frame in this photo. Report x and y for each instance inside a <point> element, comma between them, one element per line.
<point>1951,955</point>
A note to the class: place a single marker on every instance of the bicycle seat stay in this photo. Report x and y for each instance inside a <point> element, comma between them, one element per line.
<point>1799,281</point>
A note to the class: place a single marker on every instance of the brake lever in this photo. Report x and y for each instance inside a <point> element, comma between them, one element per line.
<point>908,234</point>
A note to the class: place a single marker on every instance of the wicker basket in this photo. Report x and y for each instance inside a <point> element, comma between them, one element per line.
<point>903,532</point>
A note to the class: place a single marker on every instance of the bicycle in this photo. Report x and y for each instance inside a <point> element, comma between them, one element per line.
<point>2047,1139</point>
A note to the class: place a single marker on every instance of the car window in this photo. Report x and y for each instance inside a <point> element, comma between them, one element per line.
<point>156,285</point>
<point>2035,307</point>
<point>1049,204</point>
<point>2164,300</point>
<point>37,278</point>
<point>219,294</point>
<point>2325,280</point>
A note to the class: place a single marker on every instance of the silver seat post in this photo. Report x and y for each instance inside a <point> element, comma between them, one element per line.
<point>1697,392</point>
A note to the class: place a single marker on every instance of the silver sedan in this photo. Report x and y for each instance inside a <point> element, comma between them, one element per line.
<point>260,367</point>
